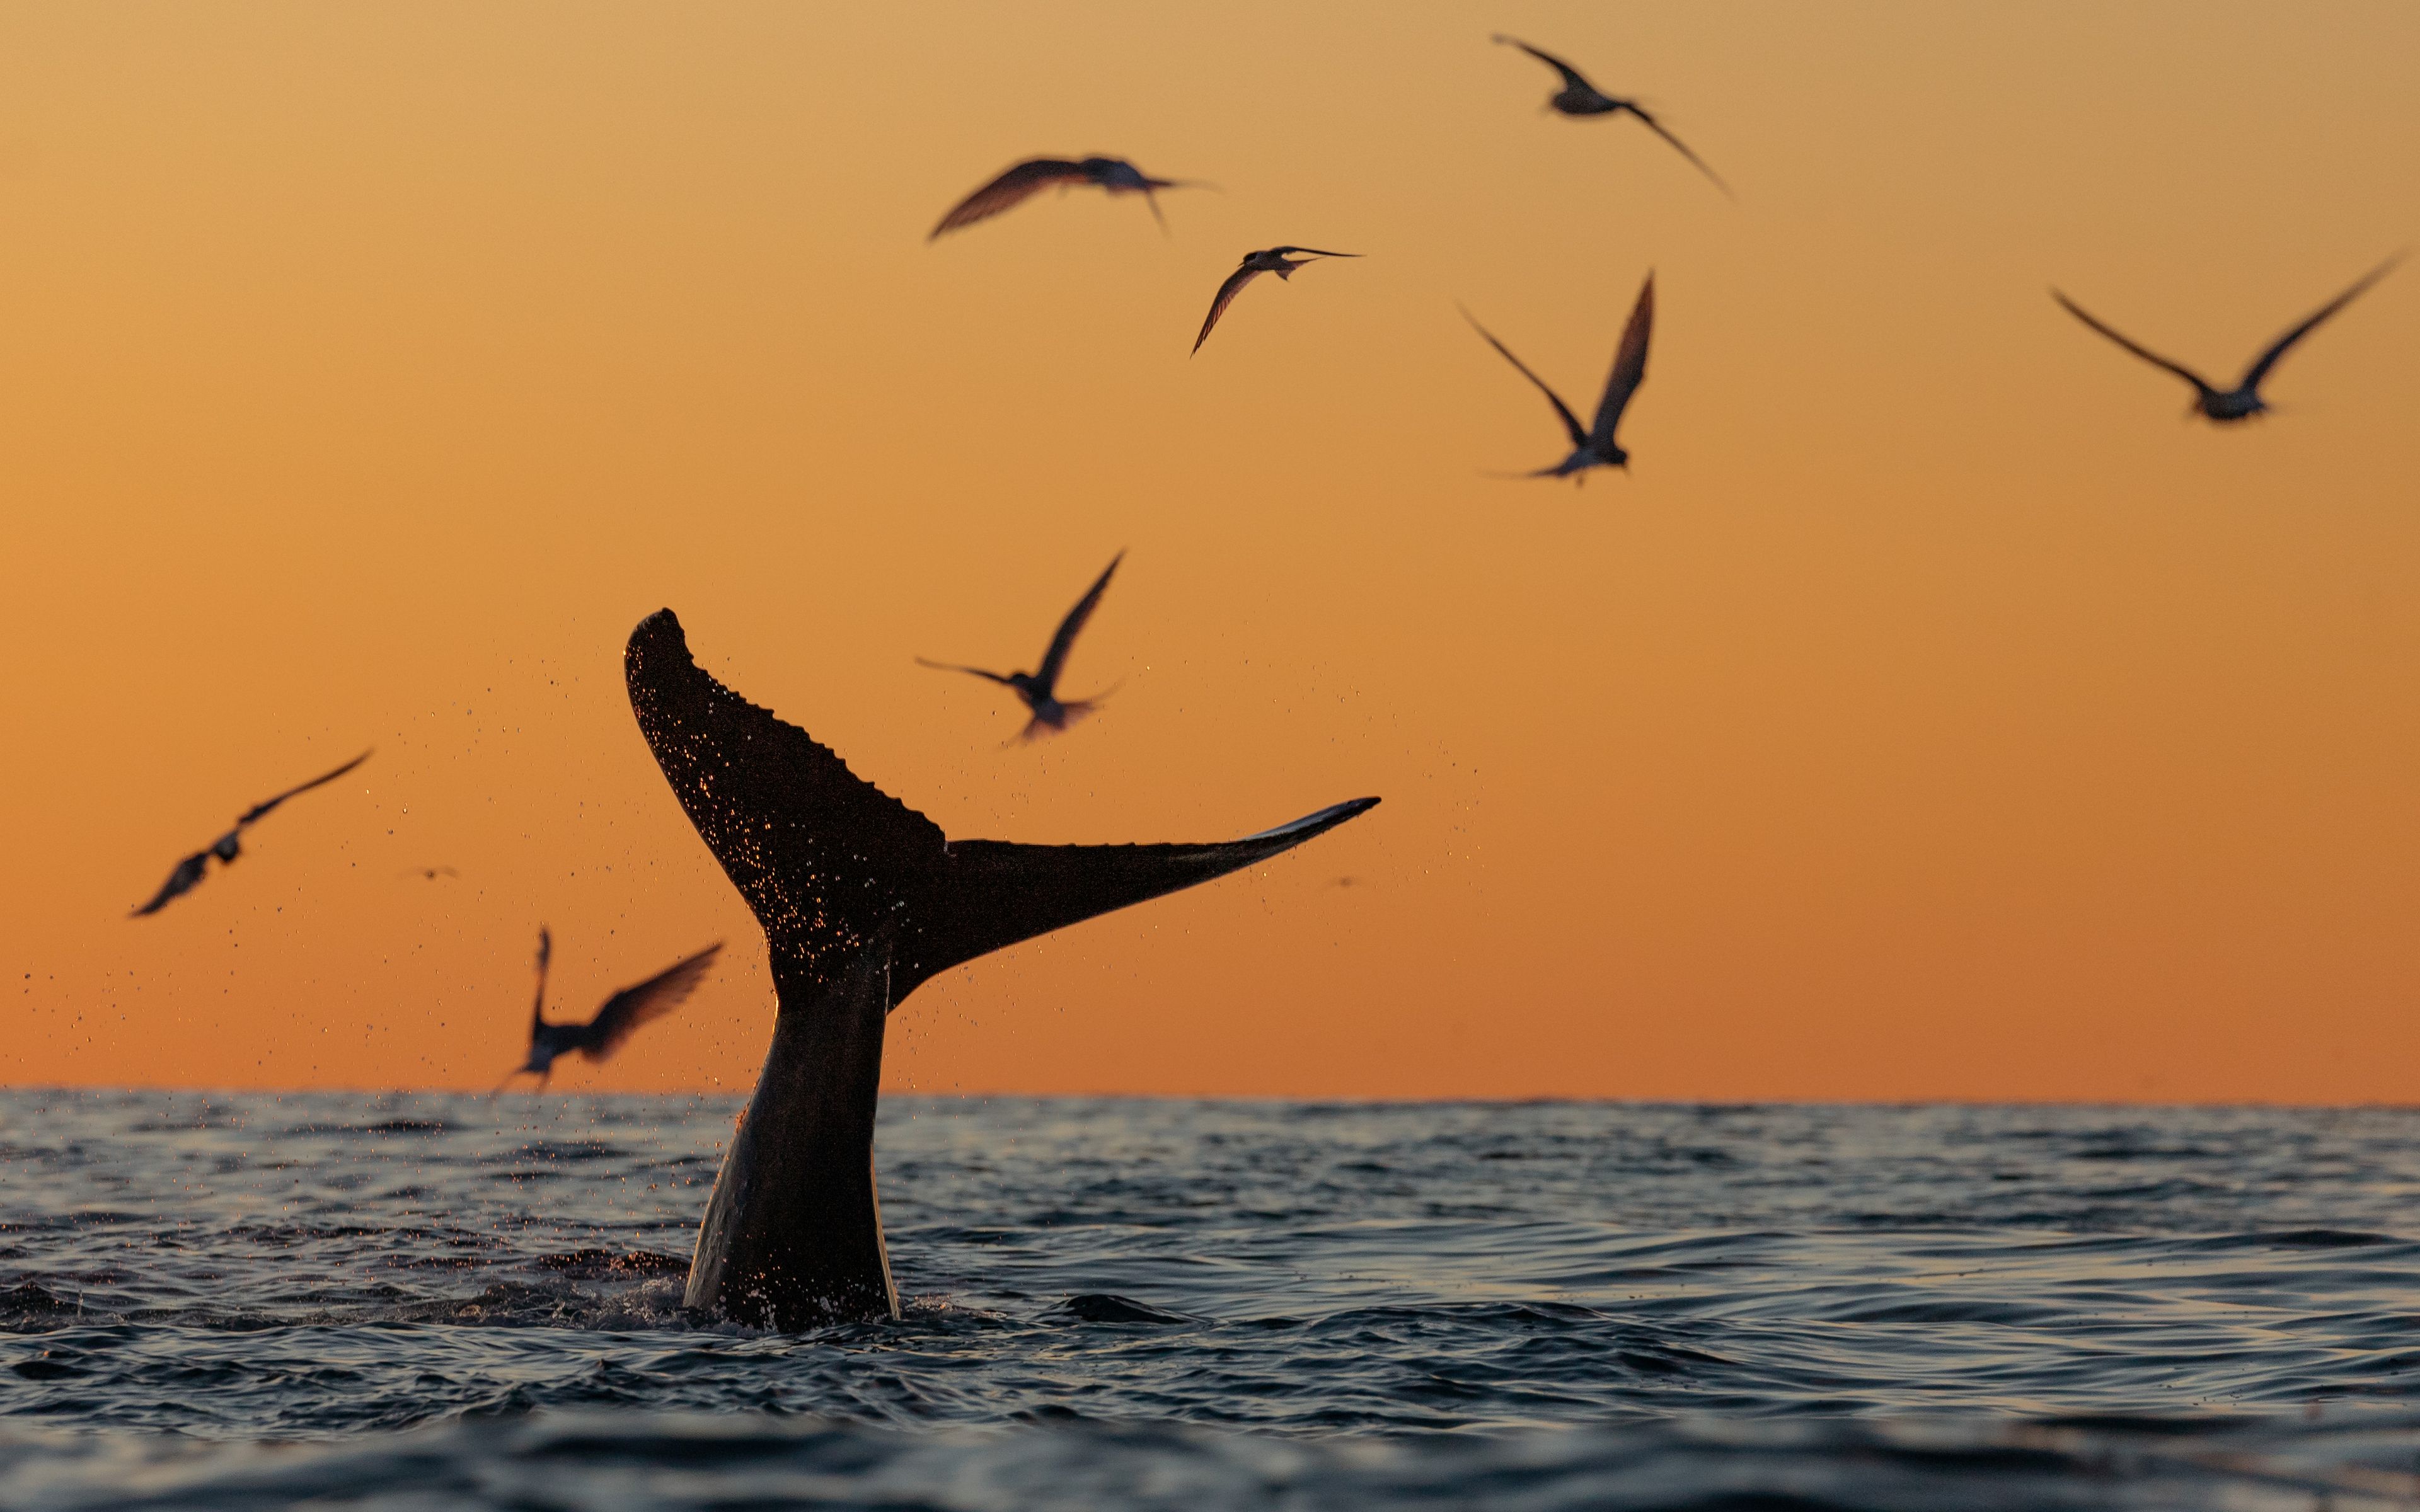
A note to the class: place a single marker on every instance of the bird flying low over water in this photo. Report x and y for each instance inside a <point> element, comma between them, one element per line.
<point>1594,446</point>
<point>1030,177</point>
<point>1269,260</point>
<point>1040,689</point>
<point>2242,401</point>
<point>1579,96</point>
<point>621,1017</point>
<point>230,845</point>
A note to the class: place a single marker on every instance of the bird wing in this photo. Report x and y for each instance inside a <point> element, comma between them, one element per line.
<point>1311,252</point>
<point>2261,367</point>
<point>1572,76</point>
<point>1629,365</point>
<point>538,1005</point>
<point>1571,421</point>
<point>180,882</point>
<point>1226,292</point>
<point>954,667</point>
<point>1683,147</point>
<point>259,808</point>
<point>626,1010</point>
<point>1056,657</point>
<point>2152,357</point>
<point>1010,189</point>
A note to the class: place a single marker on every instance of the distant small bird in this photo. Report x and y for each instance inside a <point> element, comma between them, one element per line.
<point>2242,401</point>
<point>1348,882</point>
<point>1594,446</point>
<point>428,872</point>
<point>1030,177</point>
<point>1270,260</point>
<point>621,1017</point>
<point>229,845</point>
<point>1040,689</point>
<point>1580,97</point>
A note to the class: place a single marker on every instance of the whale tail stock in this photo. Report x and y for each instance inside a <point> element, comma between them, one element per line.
<point>861,899</point>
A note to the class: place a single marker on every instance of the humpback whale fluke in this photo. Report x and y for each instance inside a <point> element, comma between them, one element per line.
<point>861,899</point>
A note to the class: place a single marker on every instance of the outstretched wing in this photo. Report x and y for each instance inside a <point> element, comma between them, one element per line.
<point>1226,292</point>
<point>1683,147</point>
<point>2261,367</point>
<point>537,1004</point>
<point>1011,189</point>
<point>1629,365</point>
<point>1572,76</point>
<point>259,808</point>
<point>2152,357</point>
<point>1056,657</point>
<point>180,882</point>
<point>1310,252</point>
<point>1571,421</point>
<point>954,667</point>
<point>651,999</point>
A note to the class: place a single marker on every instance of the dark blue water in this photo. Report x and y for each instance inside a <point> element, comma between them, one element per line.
<point>434,1301</point>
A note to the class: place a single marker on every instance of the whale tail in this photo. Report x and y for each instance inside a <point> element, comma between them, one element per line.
<point>861,899</point>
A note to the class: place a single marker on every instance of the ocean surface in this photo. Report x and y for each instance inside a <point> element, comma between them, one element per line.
<point>406,1302</point>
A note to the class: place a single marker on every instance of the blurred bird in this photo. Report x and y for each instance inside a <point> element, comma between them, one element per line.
<point>429,873</point>
<point>2242,401</point>
<point>1580,97</point>
<point>1272,260</point>
<point>1040,689</point>
<point>614,1023</point>
<point>1594,446</point>
<point>1030,177</point>
<point>230,845</point>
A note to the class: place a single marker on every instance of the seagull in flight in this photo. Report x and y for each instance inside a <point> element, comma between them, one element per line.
<point>1594,446</point>
<point>229,845</point>
<point>1040,689</point>
<point>1030,177</point>
<point>1269,260</point>
<point>614,1023</point>
<point>1579,96</point>
<point>2242,401</point>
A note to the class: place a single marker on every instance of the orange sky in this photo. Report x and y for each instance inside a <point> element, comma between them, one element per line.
<point>1930,713</point>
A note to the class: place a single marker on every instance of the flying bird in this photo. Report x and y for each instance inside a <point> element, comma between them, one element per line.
<point>230,845</point>
<point>620,1018</point>
<point>428,872</point>
<point>1030,177</point>
<point>1594,446</point>
<point>2242,401</point>
<point>1579,96</point>
<point>1270,260</point>
<point>1040,689</point>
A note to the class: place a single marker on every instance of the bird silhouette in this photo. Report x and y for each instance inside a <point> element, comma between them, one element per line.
<point>1268,260</point>
<point>1579,98</point>
<point>1040,689</point>
<point>621,1017</point>
<point>428,872</point>
<point>1594,446</point>
<point>188,873</point>
<point>2243,401</point>
<point>1016,185</point>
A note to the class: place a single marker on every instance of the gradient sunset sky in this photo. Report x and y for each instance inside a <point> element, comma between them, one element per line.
<point>1931,712</point>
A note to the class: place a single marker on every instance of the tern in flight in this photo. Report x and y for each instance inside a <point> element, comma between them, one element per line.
<point>1594,446</point>
<point>1030,177</point>
<point>619,1019</point>
<point>230,845</point>
<point>2242,401</point>
<point>1040,689</point>
<point>1579,96</point>
<point>1271,260</point>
